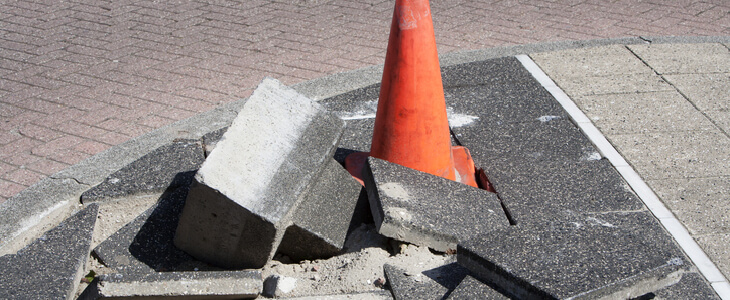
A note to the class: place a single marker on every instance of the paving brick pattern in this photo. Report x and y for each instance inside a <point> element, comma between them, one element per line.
<point>77,77</point>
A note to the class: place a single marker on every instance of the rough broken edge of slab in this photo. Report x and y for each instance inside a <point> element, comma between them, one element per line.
<point>187,285</point>
<point>631,287</point>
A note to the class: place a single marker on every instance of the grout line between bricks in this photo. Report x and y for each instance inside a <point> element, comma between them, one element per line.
<point>706,267</point>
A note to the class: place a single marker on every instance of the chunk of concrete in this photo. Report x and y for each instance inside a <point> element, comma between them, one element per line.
<point>188,285</point>
<point>435,283</point>
<point>144,245</point>
<point>472,288</point>
<point>172,165</point>
<point>428,210</point>
<point>613,255</point>
<point>51,267</point>
<point>376,295</point>
<point>246,192</point>
<point>277,286</point>
<point>322,221</point>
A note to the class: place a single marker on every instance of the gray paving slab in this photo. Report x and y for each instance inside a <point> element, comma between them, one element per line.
<point>501,104</point>
<point>672,155</point>
<point>428,210</point>
<point>721,118</point>
<point>245,284</point>
<point>701,204</point>
<point>50,267</point>
<point>211,139</point>
<point>35,210</point>
<point>377,295</point>
<point>552,138</point>
<point>715,245</point>
<point>590,62</point>
<point>503,71</point>
<point>256,176</point>
<point>472,288</point>
<point>613,255</point>
<point>323,219</point>
<point>643,112</point>
<point>169,166</point>
<point>145,245</point>
<point>708,92</point>
<point>547,190</point>
<point>435,283</point>
<point>684,58</point>
<point>691,286</point>
<point>615,84</point>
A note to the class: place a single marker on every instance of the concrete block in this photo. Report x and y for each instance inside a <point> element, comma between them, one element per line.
<point>472,288</point>
<point>612,255</point>
<point>244,195</point>
<point>52,266</point>
<point>187,285</point>
<point>691,286</point>
<point>324,217</point>
<point>145,245</point>
<point>428,210</point>
<point>435,283</point>
<point>171,165</point>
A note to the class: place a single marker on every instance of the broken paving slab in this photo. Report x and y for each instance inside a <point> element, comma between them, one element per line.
<point>376,295</point>
<point>691,286</point>
<point>51,267</point>
<point>435,283</point>
<point>500,105</point>
<point>322,221</point>
<point>245,194</point>
<point>424,209</point>
<point>145,245</point>
<point>472,288</point>
<point>612,255</point>
<point>503,71</point>
<point>245,284</point>
<point>168,166</point>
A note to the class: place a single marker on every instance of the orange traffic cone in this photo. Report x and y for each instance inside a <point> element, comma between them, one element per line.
<point>411,125</point>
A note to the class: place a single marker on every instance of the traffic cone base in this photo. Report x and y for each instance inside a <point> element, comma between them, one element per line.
<point>464,167</point>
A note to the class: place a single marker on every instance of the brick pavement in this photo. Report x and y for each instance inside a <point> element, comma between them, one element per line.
<point>77,77</point>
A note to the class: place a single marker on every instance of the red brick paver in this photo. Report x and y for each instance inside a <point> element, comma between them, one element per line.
<point>77,77</point>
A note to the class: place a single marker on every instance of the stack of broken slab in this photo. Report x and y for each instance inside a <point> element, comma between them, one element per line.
<point>563,224</point>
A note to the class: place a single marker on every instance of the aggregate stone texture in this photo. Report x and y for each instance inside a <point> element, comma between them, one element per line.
<point>619,255</point>
<point>376,295</point>
<point>323,219</point>
<point>435,283</point>
<point>701,204</point>
<point>145,245</point>
<point>684,58</point>
<point>246,284</point>
<point>171,165</point>
<point>245,194</point>
<point>428,210</point>
<point>691,286</point>
<point>472,288</point>
<point>51,267</point>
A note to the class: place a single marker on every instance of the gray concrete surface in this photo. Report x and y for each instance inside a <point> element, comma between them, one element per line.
<point>423,209</point>
<point>589,256</point>
<point>177,285</point>
<point>52,266</point>
<point>435,283</point>
<point>677,139</point>
<point>256,177</point>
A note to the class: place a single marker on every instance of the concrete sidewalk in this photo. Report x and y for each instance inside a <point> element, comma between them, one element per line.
<point>78,77</point>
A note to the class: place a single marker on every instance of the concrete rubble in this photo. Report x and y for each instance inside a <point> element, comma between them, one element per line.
<point>256,177</point>
<point>271,212</point>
